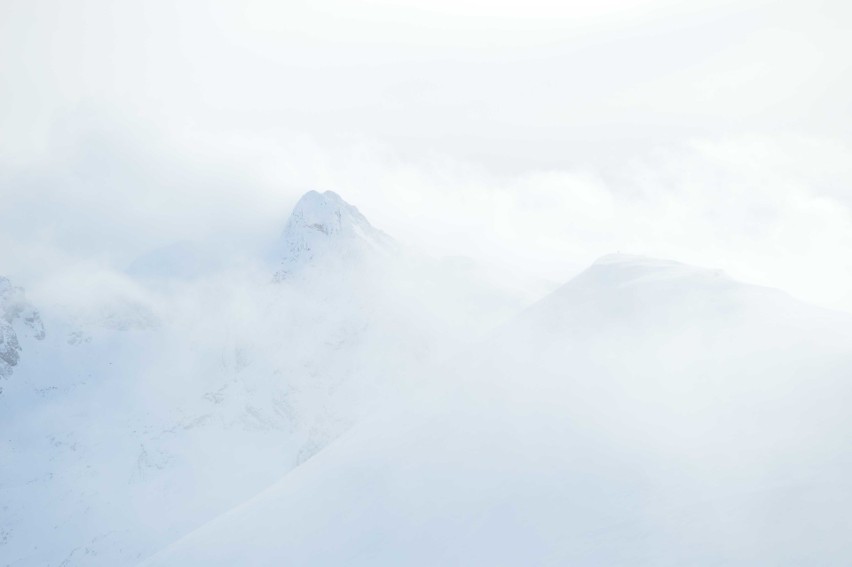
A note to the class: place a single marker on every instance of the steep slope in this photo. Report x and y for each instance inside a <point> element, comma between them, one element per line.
<point>647,413</point>
<point>157,404</point>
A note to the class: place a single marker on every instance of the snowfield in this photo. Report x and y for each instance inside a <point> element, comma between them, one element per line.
<point>352,402</point>
<point>647,413</point>
<point>159,401</point>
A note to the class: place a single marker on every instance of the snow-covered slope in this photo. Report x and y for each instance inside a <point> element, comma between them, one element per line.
<point>646,413</point>
<point>156,404</point>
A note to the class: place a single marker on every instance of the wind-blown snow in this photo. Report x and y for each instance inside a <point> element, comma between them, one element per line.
<point>647,413</point>
<point>358,403</point>
<point>156,404</point>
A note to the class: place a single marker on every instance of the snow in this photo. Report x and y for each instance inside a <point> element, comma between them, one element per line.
<point>357,403</point>
<point>17,317</point>
<point>714,436</point>
<point>325,226</point>
<point>159,402</point>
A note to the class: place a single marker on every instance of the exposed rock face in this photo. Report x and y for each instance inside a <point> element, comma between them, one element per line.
<point>9,349</point>
<point>17,316</point>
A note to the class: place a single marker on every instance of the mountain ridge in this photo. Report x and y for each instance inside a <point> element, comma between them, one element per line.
<point>671,445</point>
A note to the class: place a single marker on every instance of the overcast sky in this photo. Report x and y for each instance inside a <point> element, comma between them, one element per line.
<point>536,135</point>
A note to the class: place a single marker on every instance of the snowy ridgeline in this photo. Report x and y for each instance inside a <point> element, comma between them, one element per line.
<point>647,413</point>
<point>357,404</point>
<point>160,400</point>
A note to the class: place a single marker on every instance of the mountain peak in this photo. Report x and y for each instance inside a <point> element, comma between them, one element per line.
<point>324,212</point>
<point>324,227</point>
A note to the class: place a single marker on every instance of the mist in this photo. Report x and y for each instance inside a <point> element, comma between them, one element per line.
<point>408,282</point>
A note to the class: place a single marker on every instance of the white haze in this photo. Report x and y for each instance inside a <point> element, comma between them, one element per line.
<point>769,210</point>
<point>464,388</point>
<point>647,413</point>
<point>531,135</point>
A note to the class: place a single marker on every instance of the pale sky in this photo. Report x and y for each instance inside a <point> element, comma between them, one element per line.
<point>535,135</point>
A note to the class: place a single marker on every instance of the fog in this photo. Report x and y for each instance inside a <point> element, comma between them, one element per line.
<point>646,413</point>
<point>409,282</point>
<point>530,135</point>
<point>773,211</point>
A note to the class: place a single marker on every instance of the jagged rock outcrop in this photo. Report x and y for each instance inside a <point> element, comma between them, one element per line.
<point>17,316</point>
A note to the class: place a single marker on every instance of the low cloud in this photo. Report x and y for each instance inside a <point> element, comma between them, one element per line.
<point>770,210</point>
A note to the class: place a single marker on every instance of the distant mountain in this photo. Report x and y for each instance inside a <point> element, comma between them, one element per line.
<point>647,413</point>
<point>636,295</point>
